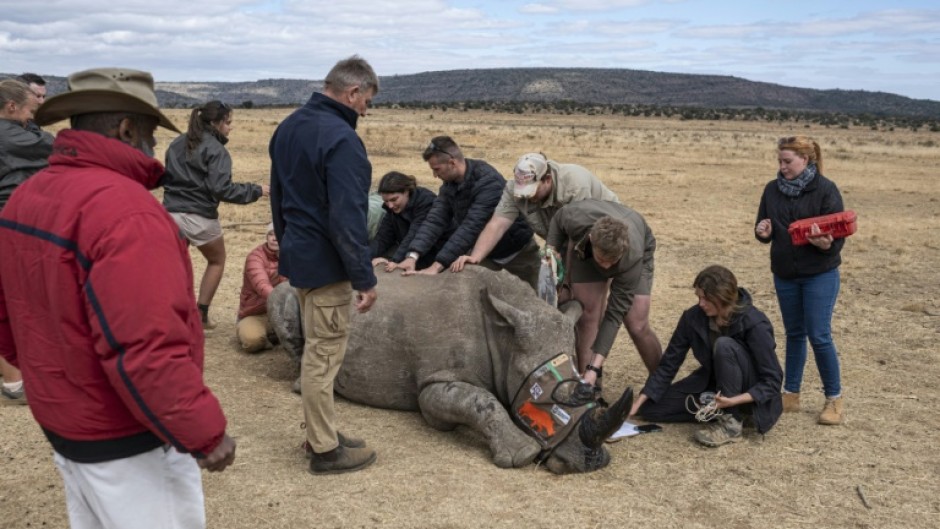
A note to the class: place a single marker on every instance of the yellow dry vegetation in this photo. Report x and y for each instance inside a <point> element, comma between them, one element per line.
<point>698,184</point>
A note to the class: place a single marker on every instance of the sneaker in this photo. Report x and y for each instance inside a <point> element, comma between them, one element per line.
<point>341,460</point>
<point>726,429</point>
<point>295,387</point>
<point>791,402</point>
<point>832,413</point>
<point>348,442</point>
<point>13,398</point>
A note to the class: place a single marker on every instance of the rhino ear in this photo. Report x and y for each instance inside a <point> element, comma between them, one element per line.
<point>510,316</point>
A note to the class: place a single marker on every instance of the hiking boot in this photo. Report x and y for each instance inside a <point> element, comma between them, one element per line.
<point>348,442</point>
<point>13,398</point>
<point>832,412</point>
<point>726,429</point>
<point>791,402</point>
<point>341,459</point>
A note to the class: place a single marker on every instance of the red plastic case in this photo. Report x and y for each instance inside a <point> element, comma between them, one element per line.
<point>839,225</point>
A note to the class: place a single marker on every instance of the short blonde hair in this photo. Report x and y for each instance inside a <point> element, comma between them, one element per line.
<point>610,238</point>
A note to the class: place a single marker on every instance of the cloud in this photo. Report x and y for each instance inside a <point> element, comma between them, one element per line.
<point>596,5</point>
<point>538,9</point>
<point>232,40</point>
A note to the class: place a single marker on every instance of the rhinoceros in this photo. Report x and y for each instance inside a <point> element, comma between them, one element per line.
<point>457,348</point>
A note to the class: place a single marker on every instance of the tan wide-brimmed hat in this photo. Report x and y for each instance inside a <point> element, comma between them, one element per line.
<point>104,90</point>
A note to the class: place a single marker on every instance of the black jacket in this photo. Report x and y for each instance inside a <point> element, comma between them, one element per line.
<point>398,230</point>
<point>198,182</point>
<point>752,330</point>
<point>468,206</point>
<point>820,197</point>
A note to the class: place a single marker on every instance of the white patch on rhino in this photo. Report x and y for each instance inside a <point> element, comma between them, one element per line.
<point>560,414</point>
<point>535,391</point>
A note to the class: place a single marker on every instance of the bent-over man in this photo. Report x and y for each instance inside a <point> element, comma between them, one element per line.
<point>539,188</point>
<point>469,194</point>
<point>608,243</point>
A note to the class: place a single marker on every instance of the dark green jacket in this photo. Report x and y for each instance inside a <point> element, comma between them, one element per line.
<point>573,223</point>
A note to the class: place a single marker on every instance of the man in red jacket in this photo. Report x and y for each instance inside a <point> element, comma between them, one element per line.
<point>97,310</point>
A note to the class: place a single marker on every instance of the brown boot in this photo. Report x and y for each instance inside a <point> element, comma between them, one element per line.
<point>832,412</point>
<point>348,442</point>
<point>341,459</point>
<point>791,402</point>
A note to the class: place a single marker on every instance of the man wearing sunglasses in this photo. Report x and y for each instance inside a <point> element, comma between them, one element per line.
<point>465,202</point>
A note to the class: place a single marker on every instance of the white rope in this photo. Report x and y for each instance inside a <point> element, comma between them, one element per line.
<point>702,412</point>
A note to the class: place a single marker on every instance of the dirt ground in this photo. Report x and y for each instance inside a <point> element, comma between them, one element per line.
<point>698,185</point>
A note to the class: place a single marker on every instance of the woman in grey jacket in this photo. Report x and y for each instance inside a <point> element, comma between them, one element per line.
<point>198,177</point>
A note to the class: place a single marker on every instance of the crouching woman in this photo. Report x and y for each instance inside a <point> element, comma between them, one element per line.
<point>254,328</point>
<point>734,343</point>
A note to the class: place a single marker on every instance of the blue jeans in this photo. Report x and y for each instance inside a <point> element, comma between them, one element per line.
<point>806,305</point>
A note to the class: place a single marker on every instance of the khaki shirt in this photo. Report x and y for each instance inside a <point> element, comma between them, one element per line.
<point>570,183</point>
<point>631,276</point>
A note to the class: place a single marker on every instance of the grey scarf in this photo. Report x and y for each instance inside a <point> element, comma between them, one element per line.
<point>793,188</point>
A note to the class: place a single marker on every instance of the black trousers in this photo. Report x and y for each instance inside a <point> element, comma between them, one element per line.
<point>734,373</point>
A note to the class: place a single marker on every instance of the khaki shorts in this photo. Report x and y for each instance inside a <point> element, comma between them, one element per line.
<point>197,229</point>
<point>586,272</point>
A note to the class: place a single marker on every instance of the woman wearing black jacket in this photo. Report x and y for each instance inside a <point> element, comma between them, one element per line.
<point>406,207</point>
<point>806,277</point>
<point>734,343</point>
<point>198,177</point>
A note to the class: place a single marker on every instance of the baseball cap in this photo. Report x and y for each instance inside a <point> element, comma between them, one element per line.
<point>529,169</point>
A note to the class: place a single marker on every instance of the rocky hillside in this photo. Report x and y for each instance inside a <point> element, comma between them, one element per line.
<point>548,85</point>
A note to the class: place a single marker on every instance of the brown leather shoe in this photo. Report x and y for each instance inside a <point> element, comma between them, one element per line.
<point>348,442</point>
<point>341,460</point>
<point>791,402</point>
<point>832,413</point>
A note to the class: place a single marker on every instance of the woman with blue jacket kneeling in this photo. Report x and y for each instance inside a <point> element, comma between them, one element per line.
<point>739,375</point>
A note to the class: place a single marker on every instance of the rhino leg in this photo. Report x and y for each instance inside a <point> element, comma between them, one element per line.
<point>284,315</point>
<point>444,405</point>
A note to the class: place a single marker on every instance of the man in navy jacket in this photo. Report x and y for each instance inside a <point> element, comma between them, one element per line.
<point>320,178</point>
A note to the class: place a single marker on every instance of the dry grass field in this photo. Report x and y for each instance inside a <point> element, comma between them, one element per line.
<point>698,184</point>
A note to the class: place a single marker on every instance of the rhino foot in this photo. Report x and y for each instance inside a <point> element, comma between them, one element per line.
<point>515,456</point>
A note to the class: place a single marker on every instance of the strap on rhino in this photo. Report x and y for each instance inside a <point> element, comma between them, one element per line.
<point>551,402</point>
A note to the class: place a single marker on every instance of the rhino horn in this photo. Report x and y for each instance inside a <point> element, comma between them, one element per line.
<point>596,427</point>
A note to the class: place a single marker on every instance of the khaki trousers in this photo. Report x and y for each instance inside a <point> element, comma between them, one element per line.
<point>253,332</point>
<point>325,312</point>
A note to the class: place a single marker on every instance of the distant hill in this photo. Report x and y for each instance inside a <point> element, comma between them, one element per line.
<point>552,85</point>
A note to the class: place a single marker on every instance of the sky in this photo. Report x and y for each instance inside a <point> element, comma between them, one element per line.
<point>824,44</point>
